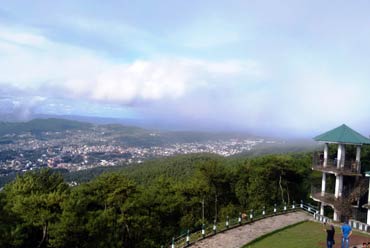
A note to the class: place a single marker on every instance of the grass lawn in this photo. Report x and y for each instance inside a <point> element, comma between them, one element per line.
<point>303,235</point>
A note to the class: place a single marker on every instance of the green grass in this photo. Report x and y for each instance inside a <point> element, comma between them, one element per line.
<point>303,235</point>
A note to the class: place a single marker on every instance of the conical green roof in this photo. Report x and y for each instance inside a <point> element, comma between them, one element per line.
<point>343,134</point>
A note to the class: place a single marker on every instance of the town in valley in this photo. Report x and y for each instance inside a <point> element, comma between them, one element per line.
<point>110,145</point>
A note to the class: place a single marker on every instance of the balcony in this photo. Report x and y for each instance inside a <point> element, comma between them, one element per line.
<point>367,205</point>
<point>348,197</point>
<point>327,198</point>
<point>349,167</point>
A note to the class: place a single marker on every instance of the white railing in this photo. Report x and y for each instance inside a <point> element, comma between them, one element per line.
<point>358,225</point>
<point>322,218</point>
<point>191,237</point>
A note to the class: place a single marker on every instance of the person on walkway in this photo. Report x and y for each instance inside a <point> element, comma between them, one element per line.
<point>346,233</point>
<point>330,232</point>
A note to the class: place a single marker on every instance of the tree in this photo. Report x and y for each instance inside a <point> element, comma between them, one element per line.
<point>242,185</point>
<point>148,207</point>
<point>277,179</point>
<point>163,204</point>
<point>216,177</point>
<point>7,221</point>
<point>196,193</point>
<point>35,199</point>
<point>95,214</point>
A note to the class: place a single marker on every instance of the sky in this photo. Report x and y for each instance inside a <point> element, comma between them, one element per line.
<point>269,67</point>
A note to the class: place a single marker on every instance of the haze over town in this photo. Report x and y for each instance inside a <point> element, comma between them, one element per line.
<point>296,69</point>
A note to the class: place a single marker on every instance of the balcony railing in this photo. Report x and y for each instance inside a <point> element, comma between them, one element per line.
<point>367,205</point>
<point>348,167</point>
<point>348,194</point>
<point>317,195</point>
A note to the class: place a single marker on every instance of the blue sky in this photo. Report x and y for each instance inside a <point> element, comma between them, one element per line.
<point>292,67</point>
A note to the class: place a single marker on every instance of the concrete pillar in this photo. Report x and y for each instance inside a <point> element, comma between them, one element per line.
<point>338,186</point>
<point>368,202</point>
<point>336,192</point>
<point>323,184</point>
<point>339,155</point>
<point>358,158</point>
<point>188,238</point>
<point>343,155</point>
<point>336,215</point>
<point>326,152</point>
<point>322,209</point>
<point>368,194</point>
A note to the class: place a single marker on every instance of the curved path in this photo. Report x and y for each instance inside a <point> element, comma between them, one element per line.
<point>239,236</point>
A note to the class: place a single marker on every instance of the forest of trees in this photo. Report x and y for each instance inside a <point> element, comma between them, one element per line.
<point>145,205</point>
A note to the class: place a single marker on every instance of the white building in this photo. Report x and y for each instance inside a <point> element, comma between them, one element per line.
<point>343,184</point>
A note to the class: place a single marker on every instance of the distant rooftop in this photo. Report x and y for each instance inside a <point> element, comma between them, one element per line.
<point>343,134</point>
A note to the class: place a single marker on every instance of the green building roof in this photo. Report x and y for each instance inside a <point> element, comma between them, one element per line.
<point>343,134</point>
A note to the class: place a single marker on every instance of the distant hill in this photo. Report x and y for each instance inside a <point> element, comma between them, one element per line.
<point>288,146</point>
<point>41,125</point>
<point>179,167</point>
<point>137,136</point>
<point>121,134</point>
<point>93,119</point>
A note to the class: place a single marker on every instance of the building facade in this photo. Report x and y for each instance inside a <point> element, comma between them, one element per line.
<point>344,185</point>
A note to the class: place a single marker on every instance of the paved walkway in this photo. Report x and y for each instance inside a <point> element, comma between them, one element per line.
<point>237,237</point>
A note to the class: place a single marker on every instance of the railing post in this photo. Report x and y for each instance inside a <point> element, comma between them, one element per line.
<point>251,216</point>
<point>188,238</point>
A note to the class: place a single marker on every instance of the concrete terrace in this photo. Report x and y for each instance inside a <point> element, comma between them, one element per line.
<point>237,237</point>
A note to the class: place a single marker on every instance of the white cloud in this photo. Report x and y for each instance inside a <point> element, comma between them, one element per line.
<point>158,79</point>
<point>39,63</point>
<point>318,100</point>
<point>241,93</point>
<point>22,38</point>
<point>208,33</point>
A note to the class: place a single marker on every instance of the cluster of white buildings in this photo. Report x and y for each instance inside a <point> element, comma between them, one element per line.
<point>84,149</point>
